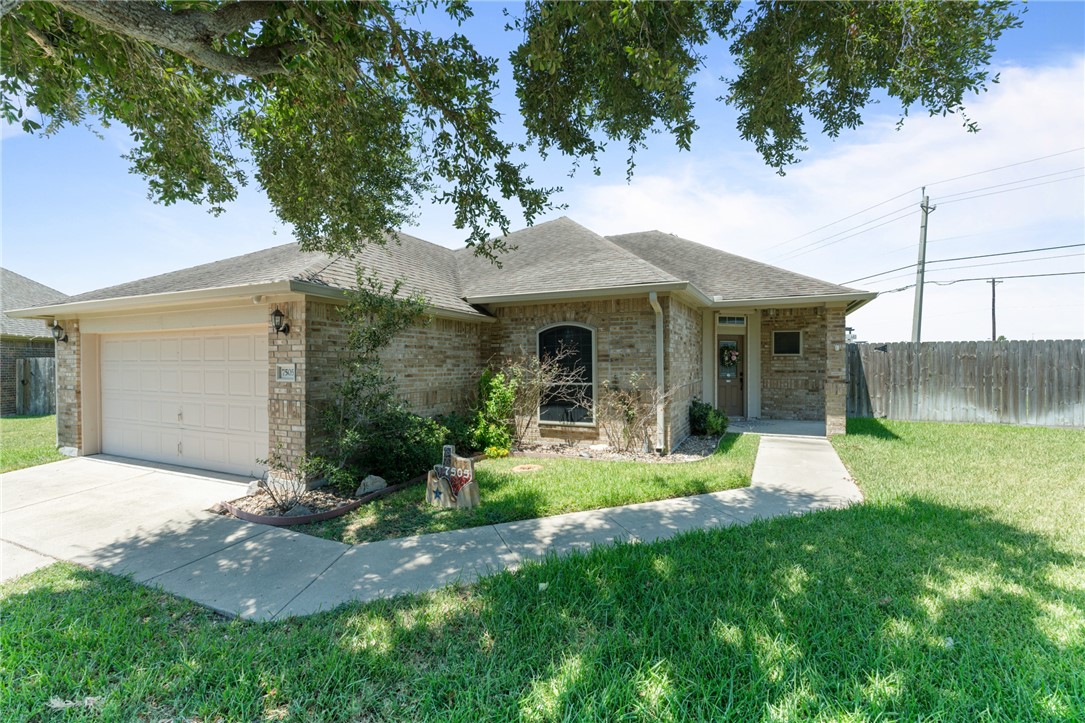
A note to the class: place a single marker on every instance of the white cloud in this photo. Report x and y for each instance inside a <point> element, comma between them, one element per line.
<point>732,202</point>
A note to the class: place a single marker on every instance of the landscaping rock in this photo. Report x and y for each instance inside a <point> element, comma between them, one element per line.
<point>372,483</point>
<point>255,486</point>
<point>298,511</point>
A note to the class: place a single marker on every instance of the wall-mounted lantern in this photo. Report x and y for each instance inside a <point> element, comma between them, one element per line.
<point>278,322</point>
<point>58,332</point>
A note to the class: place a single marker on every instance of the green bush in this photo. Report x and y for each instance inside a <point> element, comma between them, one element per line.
<point>494,419</point>
<point>717,422</point>
<point>698,417</point>
<point>460,432</point>
<point>399,445</point>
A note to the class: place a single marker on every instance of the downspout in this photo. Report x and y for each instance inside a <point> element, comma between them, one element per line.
<point>653,299</point>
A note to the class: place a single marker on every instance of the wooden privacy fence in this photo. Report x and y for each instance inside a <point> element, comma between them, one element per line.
<point>1013,382</point>
<point>35,386</point>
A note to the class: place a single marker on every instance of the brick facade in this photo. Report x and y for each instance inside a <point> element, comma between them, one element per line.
<point>624,344</point>
<point>836,384</point>
<point>12,348</point>
<point>683,359</point>
<point>793,387</point>
<point>70,388</point>
<point>436,369</point>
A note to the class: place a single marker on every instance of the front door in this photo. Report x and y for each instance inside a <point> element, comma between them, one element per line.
<point>730,363</point>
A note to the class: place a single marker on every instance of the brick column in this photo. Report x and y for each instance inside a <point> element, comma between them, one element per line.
<point>836,386</point>
<point>286,400</point>
<point>69,382</point>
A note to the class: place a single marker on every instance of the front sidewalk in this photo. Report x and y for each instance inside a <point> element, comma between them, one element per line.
<point>263,573</point>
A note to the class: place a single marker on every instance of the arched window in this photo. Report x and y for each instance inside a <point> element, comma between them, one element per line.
<point>573,349</point>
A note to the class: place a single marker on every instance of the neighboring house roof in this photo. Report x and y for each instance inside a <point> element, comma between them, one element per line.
<point>19,292</point>
<point>559,255</point>
<point>556,259</point>
<point>720,275</point>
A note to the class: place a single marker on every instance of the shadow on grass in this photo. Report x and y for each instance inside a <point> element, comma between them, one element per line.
<point>904,610</point>
<point>868,427</point>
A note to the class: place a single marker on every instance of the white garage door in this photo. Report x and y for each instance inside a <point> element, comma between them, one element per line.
<point>193,399</point>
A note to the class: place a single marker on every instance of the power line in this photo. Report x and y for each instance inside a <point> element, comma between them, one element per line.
<point>969,258</point>
<point>814,246</point>
<point>1019,188</point>
<point>1012,183</point>
<point>916,188</point>
<point>845,218</point>
<point>990,263</point>
<point>983,278</point>
<point>1009,165</point>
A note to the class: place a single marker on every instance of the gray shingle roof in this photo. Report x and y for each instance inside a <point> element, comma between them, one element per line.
<point>720,274</point>
<point>425,267</point>
<point>555,256</point>
<point>559,255</point>
<point>19,292</point>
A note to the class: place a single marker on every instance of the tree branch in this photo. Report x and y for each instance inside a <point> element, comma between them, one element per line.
<point>189,34</point>
<point>43,42</point>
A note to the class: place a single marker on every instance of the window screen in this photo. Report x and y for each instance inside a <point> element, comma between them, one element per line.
<point>787,342</point>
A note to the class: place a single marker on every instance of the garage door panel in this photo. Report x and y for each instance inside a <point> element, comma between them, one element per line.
<point>214,348</point>
<point>240,418</point>
<point>169,381</point>
<point>214,381</point>
<point>191,381</point>
<point>185,398</point>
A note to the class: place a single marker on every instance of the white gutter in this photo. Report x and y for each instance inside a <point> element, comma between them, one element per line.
<point>857,299</point>
<point>654,301</point>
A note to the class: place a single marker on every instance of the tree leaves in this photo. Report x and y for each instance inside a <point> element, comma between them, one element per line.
<point>349,113</point>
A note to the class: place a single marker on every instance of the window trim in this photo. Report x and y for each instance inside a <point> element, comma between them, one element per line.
<point>787,353</point>
<point>595,373</point>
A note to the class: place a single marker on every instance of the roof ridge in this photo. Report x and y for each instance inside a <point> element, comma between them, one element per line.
<point>746,259</point>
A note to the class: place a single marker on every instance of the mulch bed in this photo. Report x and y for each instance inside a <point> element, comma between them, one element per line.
<point>691,450</point>
<point>318,500</point>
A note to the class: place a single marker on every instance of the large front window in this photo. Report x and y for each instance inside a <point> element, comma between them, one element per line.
<point>569,400</point>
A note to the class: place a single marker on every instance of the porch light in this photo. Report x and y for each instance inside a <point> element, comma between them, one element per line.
<point>58,332</point>
<point>278,322</point>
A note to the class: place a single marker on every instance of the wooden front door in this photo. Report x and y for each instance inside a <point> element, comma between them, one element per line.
<point>731,387</point>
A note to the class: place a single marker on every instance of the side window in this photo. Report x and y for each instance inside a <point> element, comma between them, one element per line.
<point>569,401</point>
<point>787,343</point>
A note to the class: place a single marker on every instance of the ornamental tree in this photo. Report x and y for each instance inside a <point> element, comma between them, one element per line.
<point>346,113</point>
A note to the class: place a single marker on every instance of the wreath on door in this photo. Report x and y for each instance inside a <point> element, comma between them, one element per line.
<point>728,357</point>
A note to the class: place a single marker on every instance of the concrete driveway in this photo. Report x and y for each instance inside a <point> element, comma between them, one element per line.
<point>102,511</point>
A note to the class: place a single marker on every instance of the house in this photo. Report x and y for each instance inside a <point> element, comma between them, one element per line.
<point>188,367</point>
<point>24,339</point>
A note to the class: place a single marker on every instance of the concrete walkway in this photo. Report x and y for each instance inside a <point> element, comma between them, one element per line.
<point>263,573</point>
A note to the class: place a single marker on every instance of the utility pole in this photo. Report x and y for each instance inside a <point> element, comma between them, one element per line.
<point>993,283</point>
<point>917,313</point>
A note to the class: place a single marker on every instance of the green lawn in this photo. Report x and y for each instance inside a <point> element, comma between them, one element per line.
<point>956,593</point>
<point>27,442</point>
<point>562,485</point>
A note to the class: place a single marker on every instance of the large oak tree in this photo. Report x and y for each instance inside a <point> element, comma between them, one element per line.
<point>347,112</point>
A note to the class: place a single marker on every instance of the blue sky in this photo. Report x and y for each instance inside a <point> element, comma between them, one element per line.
<point>74,218</point>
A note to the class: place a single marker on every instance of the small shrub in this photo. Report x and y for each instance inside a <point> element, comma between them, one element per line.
<point>285,479</point>
<point>343,480</point>
<point>698,417</point>
<point>460,432</point>
<point>717,422</point>
<point>493,421</point>
<point>399,445</point>
<point>497,452</point>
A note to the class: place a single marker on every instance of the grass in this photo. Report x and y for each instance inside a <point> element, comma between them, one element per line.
<point>27,442</point>
<point>562,485</point>
<point>955,593</point>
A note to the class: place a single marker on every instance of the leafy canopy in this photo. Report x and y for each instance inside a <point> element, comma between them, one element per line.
<point>347,113</point>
